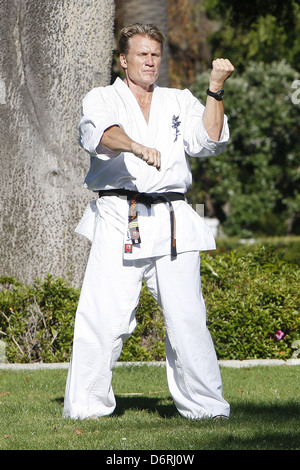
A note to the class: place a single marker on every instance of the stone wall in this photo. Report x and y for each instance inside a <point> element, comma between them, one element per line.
<point>51,53</point>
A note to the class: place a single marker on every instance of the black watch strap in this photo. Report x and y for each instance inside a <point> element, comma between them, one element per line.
<point>218,95</point>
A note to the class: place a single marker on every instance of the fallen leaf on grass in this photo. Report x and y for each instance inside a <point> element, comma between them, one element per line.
<point>77,431</point>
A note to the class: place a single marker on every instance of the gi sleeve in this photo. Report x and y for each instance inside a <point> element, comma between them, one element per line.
<point>196,139</point>
<point>97,115</point>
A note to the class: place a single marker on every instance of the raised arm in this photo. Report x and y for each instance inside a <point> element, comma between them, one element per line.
<point>213,116</point>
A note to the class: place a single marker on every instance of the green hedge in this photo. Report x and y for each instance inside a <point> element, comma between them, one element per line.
<point>253,304</point>
<point>253,311</point>
<point>36,322</point>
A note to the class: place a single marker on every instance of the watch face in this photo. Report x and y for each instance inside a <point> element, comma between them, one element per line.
<point>220,93</point>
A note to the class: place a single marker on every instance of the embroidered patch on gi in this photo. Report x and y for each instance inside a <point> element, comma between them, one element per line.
<point>128,248</point>
<point>135,234</point>
<point>175,124</point>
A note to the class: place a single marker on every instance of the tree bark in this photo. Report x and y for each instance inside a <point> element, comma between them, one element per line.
<point>52,53</point>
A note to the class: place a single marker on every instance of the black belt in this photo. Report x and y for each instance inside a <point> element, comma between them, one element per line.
<point>147,199</point>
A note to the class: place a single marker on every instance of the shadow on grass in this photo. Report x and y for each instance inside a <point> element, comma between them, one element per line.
<point>284,411</point>
<point>251,425</point>
<point>276,413</point>
<point>142,403</point>
<point>139,403</point>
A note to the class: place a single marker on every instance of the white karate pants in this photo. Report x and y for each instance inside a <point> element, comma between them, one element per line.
<point>105,318</point>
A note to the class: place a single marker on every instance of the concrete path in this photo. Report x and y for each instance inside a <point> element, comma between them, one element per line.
<point>222,363</point>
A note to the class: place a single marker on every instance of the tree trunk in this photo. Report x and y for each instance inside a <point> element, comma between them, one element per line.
<point>52,53</point>
<point>156,12</point>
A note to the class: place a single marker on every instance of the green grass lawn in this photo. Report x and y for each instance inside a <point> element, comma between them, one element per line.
<point>265,411</point>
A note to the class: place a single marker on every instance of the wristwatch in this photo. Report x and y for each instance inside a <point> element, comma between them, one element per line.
<point>218,95</point>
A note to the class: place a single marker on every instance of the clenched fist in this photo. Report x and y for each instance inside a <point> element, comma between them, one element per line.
<point>150,155</point>
<point>222,69</point>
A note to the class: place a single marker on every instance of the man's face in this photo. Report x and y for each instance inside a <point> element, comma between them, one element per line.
<point>142,62</point>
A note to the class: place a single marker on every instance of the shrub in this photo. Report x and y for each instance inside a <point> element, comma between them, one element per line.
<point>37,321</point>
<point>253,311</point>
<point>252,297</point>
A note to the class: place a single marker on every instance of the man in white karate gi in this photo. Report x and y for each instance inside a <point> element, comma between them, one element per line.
<point>139,136</point>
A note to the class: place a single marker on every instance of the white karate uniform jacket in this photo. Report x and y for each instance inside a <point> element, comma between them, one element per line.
<point>175,128</point>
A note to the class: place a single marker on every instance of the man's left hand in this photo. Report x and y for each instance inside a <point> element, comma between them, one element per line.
<point>222,69</point>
